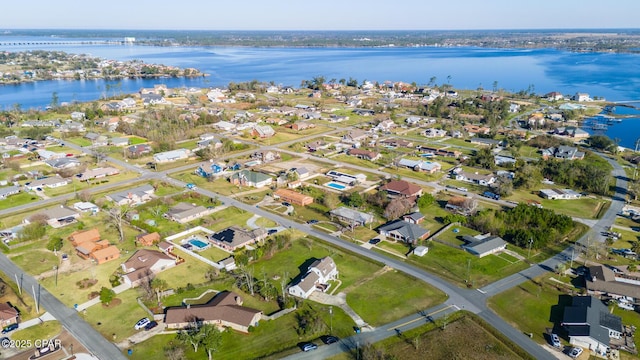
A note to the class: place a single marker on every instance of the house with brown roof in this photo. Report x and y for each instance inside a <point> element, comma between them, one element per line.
<point>143,264</point>
<point>302,125</point>
<point>364,154</point>
<point>148,239</point>
<point>8,315</point>
<point>263,131</point>
<point>294,197</point>
<point>88,245</point>
<point>225,310</point>
<point>401,188</point>
<point>317,277</point>
<point>354,136</point>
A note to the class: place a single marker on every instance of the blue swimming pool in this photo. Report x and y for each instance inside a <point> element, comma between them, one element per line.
<point>335,185</point>
<point>201,245</point>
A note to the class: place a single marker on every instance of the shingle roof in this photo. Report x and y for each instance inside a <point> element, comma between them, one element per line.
<point>224,306</point>
<point>409,231</point>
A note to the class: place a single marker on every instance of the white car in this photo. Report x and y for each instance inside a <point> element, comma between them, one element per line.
<point>555,340</point>
<point>575,352</point>
<point>142,323</point>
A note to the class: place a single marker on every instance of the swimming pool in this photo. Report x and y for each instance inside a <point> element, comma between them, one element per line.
<point>335,185</point>
<point>199,244</point>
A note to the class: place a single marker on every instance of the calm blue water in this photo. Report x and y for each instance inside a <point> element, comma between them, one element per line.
<point>335,185</point>
<point>612,76</point>
<point>197,243</point>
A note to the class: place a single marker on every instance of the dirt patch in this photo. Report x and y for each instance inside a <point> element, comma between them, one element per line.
<point>86,283</point>
<point>115,302</point>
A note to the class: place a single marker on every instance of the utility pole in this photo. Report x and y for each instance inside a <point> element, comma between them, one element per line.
<point>530,244</point>
<point>331,319</point>
<point>468,271</point>
<point>573,249</point>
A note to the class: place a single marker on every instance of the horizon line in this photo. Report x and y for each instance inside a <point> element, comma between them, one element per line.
<point>320,30</point>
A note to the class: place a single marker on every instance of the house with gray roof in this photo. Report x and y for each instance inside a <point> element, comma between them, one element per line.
<point>63,163</point>
<point>8,191</point>
<point>317,277</point>
<point>602,281</point>
<point>173,155</point>
<point>483,245</point>
<point>590,324</point>
<point>350,216</point>
<point>135,196</point>
<point>55,217</point>
<point>185,212</point>
<point>401,230</point>
<point>49,182</point>
<point>235,237</point>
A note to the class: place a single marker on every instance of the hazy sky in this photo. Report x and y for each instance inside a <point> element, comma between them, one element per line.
<point>319,14</point>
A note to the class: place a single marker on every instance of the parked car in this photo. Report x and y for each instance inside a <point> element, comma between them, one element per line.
<point>311,222</point>
<point>9,328</point>
<point>272,231</point>
<point>575,352</point>
<point>374,241</point>
<point>285,204</point>
<point>151,325</point>
<point>330,339</point>
<point>309,346</point>
<point>142,323</point>
<point>555,340</point>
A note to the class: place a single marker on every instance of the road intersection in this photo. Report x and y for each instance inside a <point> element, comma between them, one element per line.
<point>467,299</point>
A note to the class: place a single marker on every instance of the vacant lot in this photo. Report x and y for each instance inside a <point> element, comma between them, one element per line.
<point>464,338</point>
<point>415,296</point>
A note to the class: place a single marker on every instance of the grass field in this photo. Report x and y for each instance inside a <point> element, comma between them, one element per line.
<point>415,296</point>
<point>118,319</point>
<point>537,308</point>
<point>191,271</point>
<point>460,267</point>
<point>134,140</point>
<point>464,337</point>
<point>17,200</point>
<point>36,261</point>
<point>43,331</point>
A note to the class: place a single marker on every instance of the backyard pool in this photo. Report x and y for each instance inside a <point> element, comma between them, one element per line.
<point>198,244</point>
<point>335,185</point>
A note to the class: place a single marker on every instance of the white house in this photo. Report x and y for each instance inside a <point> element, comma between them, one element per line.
<point>318,275</point>
<point>173,155</point>
<point>563,194</point>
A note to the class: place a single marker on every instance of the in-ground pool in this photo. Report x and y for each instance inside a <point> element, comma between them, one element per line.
<point>198,244</point>
<point>335,185</point>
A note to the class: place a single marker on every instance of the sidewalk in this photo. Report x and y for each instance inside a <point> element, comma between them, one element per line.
<point>96,300</point>
<point>340,301</point>
<point>36,321</point>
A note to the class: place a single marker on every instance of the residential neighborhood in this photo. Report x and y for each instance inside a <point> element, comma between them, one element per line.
<point>273,224</point>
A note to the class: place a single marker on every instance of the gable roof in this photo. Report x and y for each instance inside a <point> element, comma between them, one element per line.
<point>483,245</point>
<point>7,312</point>
<point>225,306</point>
<point>126,194</point>
<point>325,265</point>
<point>145,258</point>
<point>80,237</point>
<point>236,236</point>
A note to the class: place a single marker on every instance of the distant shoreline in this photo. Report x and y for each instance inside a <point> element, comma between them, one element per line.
<point>575,40</point>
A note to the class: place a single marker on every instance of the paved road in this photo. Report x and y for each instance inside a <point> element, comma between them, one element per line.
<point>68,317</point>
<point>471,300</point>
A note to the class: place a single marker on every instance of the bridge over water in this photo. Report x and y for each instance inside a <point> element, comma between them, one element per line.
<point>64,43</point>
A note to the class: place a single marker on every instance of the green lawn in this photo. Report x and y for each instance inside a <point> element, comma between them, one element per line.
<point>67,289</point>
<point>191,271</point>
<point>265,223</point>
<point>458,266</point>
<point>214,254</point>
<point>455,239</point>
<point>17,200</point>
<point>294,261</point>
<point>36,261</point>
<point>536,309</point>
<point>398,294</point>
<point>355,161</point>
<point>227,217</point>
<point>80,141</point>
<point>586,207</point>
<point>118,319</point>
<point>45,330</point>
<point>134,140</point>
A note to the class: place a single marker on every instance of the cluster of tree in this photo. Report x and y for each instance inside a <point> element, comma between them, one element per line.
<point>523,224</point>
<point>269,247</point>
<point>32,231</point>
<point>603,143</point>
<point>36,133</point>
<point>590,174</point>
<point>546,141</point>
<point>309,322</point>
<point>483,158</point>
<point>197,334</point>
